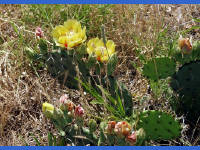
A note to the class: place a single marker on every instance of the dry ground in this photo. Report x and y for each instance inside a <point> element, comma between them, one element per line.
<point>22,91</point>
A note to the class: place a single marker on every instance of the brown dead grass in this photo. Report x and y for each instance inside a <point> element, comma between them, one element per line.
<point>22,92</point>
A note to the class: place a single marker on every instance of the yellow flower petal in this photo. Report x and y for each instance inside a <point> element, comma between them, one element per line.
<point>104,58</point>
<point>91,45</point>
<point>96,46</point>
<point>70,34</point>
<point>110,47</point>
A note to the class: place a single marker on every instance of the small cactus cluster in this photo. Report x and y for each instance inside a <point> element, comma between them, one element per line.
<point>69,120</point>
<point>151,125</point>
<point>119,134</point>
<point>66,65</point>
<point>95,65</point>
<point>69,56</point>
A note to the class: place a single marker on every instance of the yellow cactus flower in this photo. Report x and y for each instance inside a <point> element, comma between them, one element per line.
<point>70,34</point>
<point>46,107</point>
<point>97,48</point>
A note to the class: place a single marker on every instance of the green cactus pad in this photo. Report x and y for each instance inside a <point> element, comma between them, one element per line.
<point>60,65</point>
<point>186,83</point>
<point>158,125</point>
<point>159,68</point>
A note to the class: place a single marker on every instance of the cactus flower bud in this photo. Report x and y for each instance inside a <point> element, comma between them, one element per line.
<point>38,32</point>
<point>48,109</point>
<point>64,98</point>
<point>132,138</point>
<point>79,111</point>
<point>110,127</point>
<point>122,128</point>
<point>126,128</point>
<point>75,127</point>
<point>185,45</point>
<point>66,104</point>
<point>117,129</point>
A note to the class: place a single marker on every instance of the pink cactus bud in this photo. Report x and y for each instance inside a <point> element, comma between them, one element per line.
<point>66,103</point>
<point>79,111</point>
<point>118,128</point>
<point>38,32</point>
<point>132,138</point>
<point>64,98</point>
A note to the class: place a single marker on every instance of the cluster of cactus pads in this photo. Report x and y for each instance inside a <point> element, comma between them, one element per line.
<point>149,125</point>
<point>66,65</point>
<point>61,64</point>
<point>185,82</point>
<point>69,120</point>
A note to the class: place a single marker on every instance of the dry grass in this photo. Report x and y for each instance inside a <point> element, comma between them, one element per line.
<point>22,92</point>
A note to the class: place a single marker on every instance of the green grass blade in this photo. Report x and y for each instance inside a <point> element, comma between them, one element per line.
<point>50,139</point>
<point>116,102</point>
<point>36,140</point>
<point>93,92</point>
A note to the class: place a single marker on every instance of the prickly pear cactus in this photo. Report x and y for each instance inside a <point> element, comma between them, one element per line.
<point>159,68</point>
<point>60,65</point>
<point>159,125</point>
<point>186,83</point>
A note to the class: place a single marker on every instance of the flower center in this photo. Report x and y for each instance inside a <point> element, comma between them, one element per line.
<point>66,44</point>
<point>99,58</point>
<point>70,34</point>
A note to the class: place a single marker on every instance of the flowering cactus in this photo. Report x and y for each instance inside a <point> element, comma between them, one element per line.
<point>102,52</point>
<point>185,45</point>
<point>38,32</point>
<point>69,35</point>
